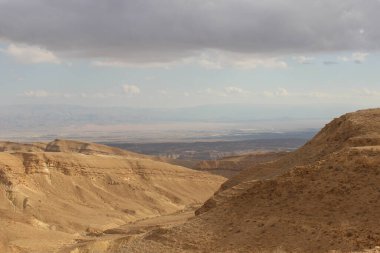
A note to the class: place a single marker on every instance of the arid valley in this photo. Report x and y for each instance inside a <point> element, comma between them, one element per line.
<point>189,126</point>
<point>71,197</point>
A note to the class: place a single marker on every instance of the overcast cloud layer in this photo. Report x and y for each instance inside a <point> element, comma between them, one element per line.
<point>169,30</point>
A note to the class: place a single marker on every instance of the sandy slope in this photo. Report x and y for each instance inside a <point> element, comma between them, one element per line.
<point>50,199</point>
<point>321,198</point>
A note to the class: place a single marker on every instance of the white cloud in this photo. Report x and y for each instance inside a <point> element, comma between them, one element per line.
<point>280,92</point>
<point>91,95</point>
<point>304,59</point>
<point>367,92</point>
<point>344,58</point>
<point>215,59</point>
<point>31,55</point>
<point>210,59</point>
<point>318,94</point>
<point>36,93</point>
<point>233,90</point>
<point>126,64</point>
<point>212,92</point>
<point>102,63</point>
<point>48,94</point>
<point>268,93</point>
<point>131,89</point>
<point>358,57</point>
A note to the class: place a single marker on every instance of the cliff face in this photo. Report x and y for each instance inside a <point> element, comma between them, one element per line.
<point>324,196</point>
<point>87,187</point>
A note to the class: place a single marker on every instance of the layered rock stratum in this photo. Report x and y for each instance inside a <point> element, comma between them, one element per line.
<point>55,194</point>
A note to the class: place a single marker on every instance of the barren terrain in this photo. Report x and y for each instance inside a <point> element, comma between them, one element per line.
<point>54,194</point>
<point>79,198</point>
<point>324,197</point>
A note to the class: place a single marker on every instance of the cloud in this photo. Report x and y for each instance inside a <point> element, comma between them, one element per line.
<point>125,64</point>
<point>151,31</point>
<point>280,92</point>
<point>30,55</point>
<point>36,94</point>
<point>234,90</point>
<point>131,89</point>
<point>105,63</point>
<point>97,95</point>
<point>304,59</point>
<point>212,92</point>
<point>216,59</point>
<point>368,92</point>
<point>48,94</point>
<point>210,59</point>
<point>358,58</point>
<point>320,95</point>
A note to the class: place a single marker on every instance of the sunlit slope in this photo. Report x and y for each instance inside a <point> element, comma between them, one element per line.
<point>70,192</point>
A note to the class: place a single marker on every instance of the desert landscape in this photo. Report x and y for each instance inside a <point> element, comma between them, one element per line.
<point>75,197</point>
<point>57,193</point>
<point>189,126</point>
<point>323,197</point>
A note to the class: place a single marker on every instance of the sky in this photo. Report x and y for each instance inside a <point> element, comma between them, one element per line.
<point>181,53</point>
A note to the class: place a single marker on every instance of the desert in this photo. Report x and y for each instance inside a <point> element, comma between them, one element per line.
<point>54,195</point>
<point>189,126</point>
<point>84,197</point>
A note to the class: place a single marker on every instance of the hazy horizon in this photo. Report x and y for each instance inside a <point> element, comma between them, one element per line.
<point>128,124</point>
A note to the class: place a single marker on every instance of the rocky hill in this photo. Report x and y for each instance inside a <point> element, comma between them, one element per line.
<point>324,197</point>
<point>56,193</point>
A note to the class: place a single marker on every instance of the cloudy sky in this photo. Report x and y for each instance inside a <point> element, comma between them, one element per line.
<point>175,53</point>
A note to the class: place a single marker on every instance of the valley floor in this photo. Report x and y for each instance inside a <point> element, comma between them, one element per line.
<point>114,240</point>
